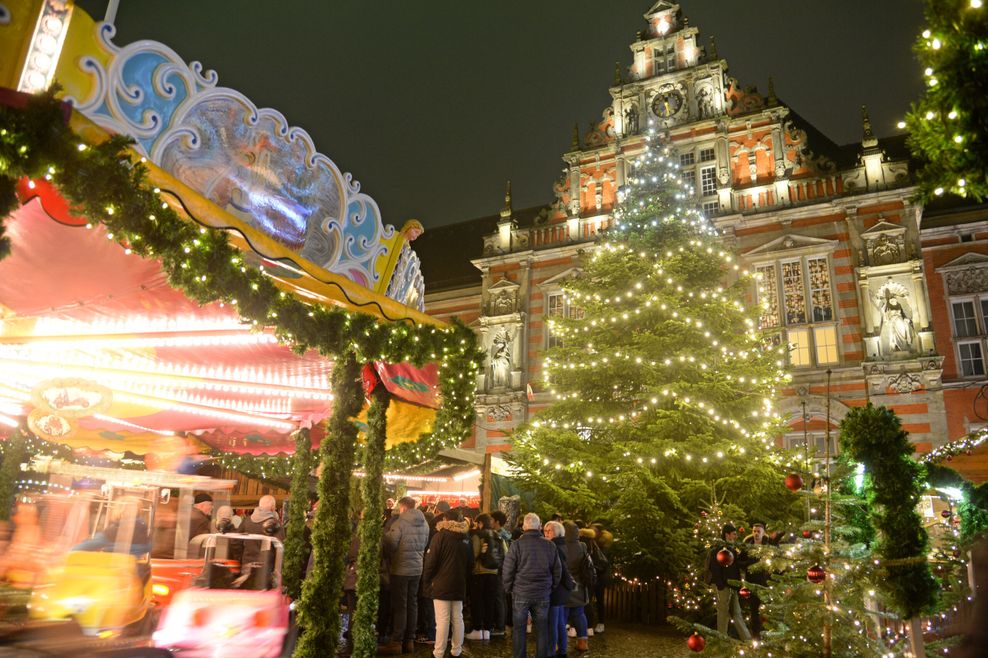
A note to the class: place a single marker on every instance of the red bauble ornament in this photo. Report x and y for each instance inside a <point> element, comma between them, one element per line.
<point>957,554</point>
<point>725,558</point>
<point>703,515</point>
<point>816,574</point>
<point>744,592</point>
<point>945,513</point>
<point>794,482</point>
<point>807,534</point>
<point>740,531</point>
<point>696,642</point>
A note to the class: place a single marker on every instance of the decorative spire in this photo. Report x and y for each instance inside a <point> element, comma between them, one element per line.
<point>869,141</point>
<point>772,99</point>
<point>866,124</point>
<point>617,74</point>
<point>713,47</point>
<point>575,144</point>
<point>506,211</point>
<point>686,22</point>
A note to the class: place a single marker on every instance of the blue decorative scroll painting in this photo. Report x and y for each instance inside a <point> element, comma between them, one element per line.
<point>249,161</point>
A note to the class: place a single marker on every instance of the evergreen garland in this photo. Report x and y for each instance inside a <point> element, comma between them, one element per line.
<point>106,185</point>
<point>318,612</point>
<point>14,453</point>
<point>873,436</point>
<point>948,127</point>
<point>973,509</point>
<point>370,528</point>
<point>298,505</point>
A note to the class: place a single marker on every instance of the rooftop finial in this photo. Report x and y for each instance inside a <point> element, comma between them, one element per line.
<point>869,136</point>
<point>713,47</point>
<point>575,143</point>
<point>506,211</point>
<point>771,99</point>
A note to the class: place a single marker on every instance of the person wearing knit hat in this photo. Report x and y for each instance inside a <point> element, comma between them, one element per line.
<point>200,521</point>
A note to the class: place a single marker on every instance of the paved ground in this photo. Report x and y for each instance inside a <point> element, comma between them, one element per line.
<point>620,641</point>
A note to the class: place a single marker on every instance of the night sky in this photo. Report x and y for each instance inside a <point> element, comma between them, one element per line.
<point>432,104</point>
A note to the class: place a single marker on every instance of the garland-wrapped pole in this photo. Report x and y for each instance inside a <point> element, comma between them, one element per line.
<point>370,527</point>
<point>13,455</point>
<point>874,437</point>
<point>298,503</point>
<point>319,612</point>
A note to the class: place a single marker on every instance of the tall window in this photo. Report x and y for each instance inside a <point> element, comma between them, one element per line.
<point>664,58</point>
<point>699,163</point>
<point>795,295</point>
<point>557,307</point>
<point>970,323</point>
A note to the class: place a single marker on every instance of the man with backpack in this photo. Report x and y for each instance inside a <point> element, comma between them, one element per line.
<point>488,554</point>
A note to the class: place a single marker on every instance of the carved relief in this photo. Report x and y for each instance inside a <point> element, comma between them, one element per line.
<point>904,383</point>
<point>798,152</point>
<point>499,414</point>
<point>885,250</point>
<point>963,282</point>
<point>502,303</point>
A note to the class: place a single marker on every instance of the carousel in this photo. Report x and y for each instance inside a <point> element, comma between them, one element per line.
<point>185,281</point>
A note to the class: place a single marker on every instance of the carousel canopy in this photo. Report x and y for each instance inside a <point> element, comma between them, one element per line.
<point>97,350</point>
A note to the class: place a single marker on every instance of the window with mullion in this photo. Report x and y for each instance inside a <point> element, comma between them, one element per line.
<point>965,323</point>
<point>972,362</point>
<point>802,285</point>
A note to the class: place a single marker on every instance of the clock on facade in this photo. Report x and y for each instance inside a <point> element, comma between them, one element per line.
<point>667,104</point>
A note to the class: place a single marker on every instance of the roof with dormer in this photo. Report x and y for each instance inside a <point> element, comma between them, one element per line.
<point>446,251</point>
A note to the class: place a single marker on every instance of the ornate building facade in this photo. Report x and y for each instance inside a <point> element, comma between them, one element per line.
<point>890,297</point>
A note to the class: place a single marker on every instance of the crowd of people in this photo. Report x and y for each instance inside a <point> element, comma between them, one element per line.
<point>446,568</point>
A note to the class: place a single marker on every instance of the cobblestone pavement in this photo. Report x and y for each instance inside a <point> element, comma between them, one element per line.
<point>620,641</point>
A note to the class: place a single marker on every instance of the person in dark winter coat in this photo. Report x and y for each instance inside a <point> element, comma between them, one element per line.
<point>757,538</point>
<point>728,604</point>
<point>405,543</point>
<point>555,533</point>
<point>577,562</point>
<point>531,571</point>
<point>263,520</point>
<point>447,568</point>
<point>200,522</point>
<point>483,585</point>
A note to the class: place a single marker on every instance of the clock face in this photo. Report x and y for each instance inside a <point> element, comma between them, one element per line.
<point>667,104</point>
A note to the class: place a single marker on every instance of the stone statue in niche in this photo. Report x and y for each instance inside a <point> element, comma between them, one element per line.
<point>897,334</point>
<point>884,251</point>
<point>705,103</point>
<point>631,120</point>
<point>500,363</point>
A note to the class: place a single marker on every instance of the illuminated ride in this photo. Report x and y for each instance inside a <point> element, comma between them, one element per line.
<point>231,609</point>
<point>108,584</point>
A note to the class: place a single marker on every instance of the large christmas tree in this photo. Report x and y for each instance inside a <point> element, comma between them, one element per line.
<point>663,383</point>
